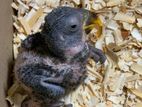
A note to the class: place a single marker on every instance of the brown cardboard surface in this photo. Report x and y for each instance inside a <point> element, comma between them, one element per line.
<point>5,47</point>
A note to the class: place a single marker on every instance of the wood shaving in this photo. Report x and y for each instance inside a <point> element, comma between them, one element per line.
<point>137,68</point>
<point>124,18</point>
<point>117,30</point>
<point>136,92</point>
<point>137,34</point>
<point>139,23</point>
<point>138,104</point>
<point>114,2</point>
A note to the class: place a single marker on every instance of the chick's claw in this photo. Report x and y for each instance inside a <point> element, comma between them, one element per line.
<point>97,55</point>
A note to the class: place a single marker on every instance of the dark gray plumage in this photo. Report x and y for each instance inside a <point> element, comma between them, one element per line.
<point>51,63</point>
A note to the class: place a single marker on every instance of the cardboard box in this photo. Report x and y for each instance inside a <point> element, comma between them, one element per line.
<point>6,56</point>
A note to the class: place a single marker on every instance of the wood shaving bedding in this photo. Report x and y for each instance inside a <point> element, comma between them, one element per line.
<point>119,32</point>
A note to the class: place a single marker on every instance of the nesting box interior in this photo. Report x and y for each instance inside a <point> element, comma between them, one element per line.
<point>6,55</point>
<point>117,30</point>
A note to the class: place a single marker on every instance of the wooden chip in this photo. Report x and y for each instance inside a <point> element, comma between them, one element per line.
<point>40,2</point>
<point>90,86</point>
<point>124,18</point>
<point>136,68</point>
<point>22,4</point>
<point>93,72</point>
<point>127,26</point>
<point>37,25</point>
<point>18,28</point>
<point>133,78</point>
<point>139,9</point>
<point>136,34</point>
<point>113,25</point>
<point>101,105</point>
<point>15,49</point>
<point>34,5</point>
<point>139,23</point>
<point>98,4</point>
<point>22,36</point>
<point>118,36</point>
<point>114,2</point>
<point>109,38</point>
<point>25,26</point>
<point>17,40</point>
<point>136,92</point>
<point>14,6</point>
<point>86,4</point>
<point>139,104</point>
<point>52,3</point>
<point>30,14</point>
<point>77,1</point>
<point>109,104</point>
<point>140,53</point>
<point>112,55</point>
<point>35,17</point>
<point>119,83</point>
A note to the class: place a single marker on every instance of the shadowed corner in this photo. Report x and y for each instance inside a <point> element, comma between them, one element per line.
<point>10,77</point>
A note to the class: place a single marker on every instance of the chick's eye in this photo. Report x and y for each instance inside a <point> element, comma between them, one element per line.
<point>72,23</point>
<point>73,27</point>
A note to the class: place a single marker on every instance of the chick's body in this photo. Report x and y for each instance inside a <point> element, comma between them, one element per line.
<point>52,63</point>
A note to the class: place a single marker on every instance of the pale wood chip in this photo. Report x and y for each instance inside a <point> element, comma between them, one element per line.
<point>14,5</point>
<point>77,2</point>
<point>136,34</point>
<point>136,92</point>
<point>35,17</point>
<point>25,25</point>
<point>93,72</point>
<point>139,9</point>
<point>139,104</point>
<point>98,4</point>
<point>136,68</point>
<point>38,24</point>
<point>113,25</point>
<point>119,83</point>
<point>139,23</point>
<point>124,18</point>
<point>30,14</point>
<point>114,2</point>
<point>132,78</point>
